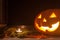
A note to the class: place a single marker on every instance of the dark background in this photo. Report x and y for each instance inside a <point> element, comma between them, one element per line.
<point>25,11</point>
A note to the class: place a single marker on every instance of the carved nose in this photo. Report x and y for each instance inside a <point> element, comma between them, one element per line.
<point>44,20</point>
<point>46,23</point>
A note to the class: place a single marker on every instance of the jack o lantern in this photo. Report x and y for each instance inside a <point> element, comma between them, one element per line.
<point>48,22</point>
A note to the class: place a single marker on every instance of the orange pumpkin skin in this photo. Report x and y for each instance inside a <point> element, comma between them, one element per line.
<point>52,16</point>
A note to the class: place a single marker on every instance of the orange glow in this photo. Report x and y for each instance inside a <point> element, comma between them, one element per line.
<point>44,28</point>
<point>44,20</point>
<point>53,15</point>
<point>39,16</point>
<point>53,28</point>
<point>48,22</point>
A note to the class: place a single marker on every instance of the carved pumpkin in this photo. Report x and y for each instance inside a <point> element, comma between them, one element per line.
<point>48,22</point>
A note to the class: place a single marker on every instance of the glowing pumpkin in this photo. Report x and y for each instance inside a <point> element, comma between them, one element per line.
<point>48,22</point>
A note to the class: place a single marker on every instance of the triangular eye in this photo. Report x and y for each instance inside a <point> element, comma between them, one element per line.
<point>53,15</point>
<point>39,16</point>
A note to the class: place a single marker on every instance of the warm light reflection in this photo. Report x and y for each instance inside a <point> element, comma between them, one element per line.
<point>39,16</point>
<point>44,28</point>
<point>18,30</point>
<point>44,20</point>
<point>53,15</point>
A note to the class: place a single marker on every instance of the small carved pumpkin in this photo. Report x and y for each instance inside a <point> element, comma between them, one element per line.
<point>48,22</point>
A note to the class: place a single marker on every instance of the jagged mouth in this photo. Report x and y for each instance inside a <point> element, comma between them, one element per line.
<point>47,28</point>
